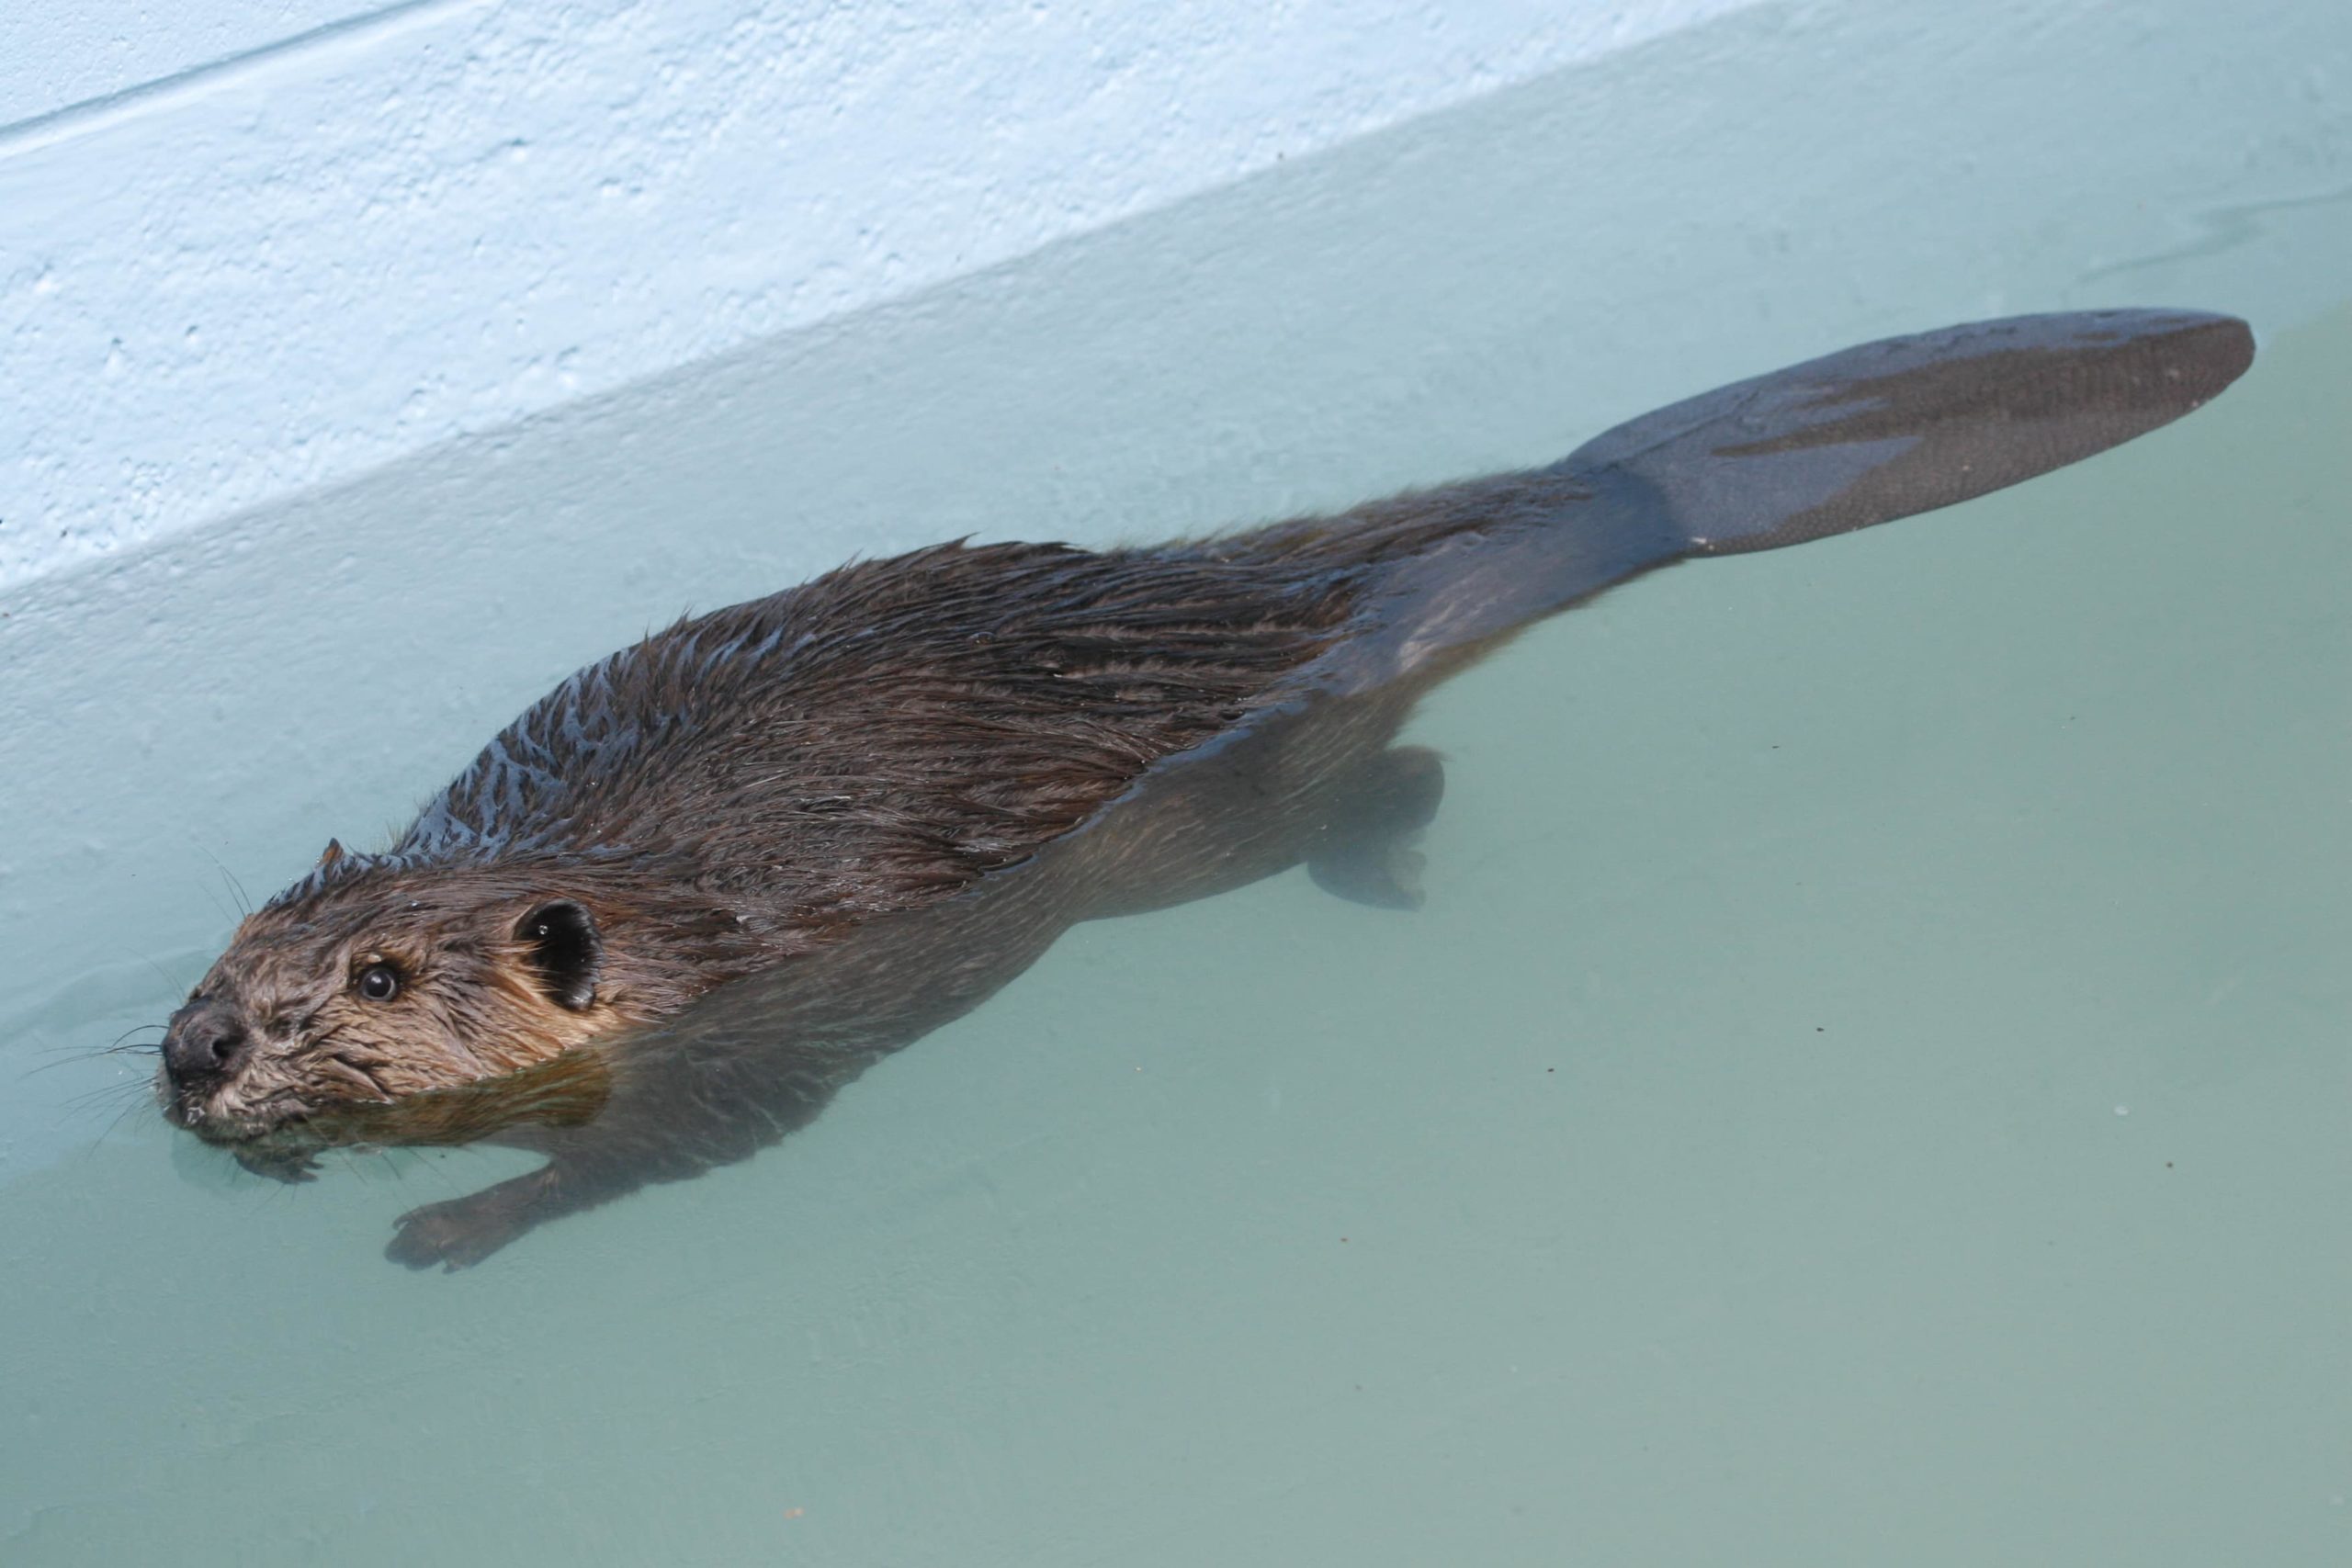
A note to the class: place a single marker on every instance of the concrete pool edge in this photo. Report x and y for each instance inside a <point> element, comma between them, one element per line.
<point>300,263</point>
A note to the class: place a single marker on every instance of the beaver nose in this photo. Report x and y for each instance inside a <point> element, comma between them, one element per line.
<point>203,1043</point>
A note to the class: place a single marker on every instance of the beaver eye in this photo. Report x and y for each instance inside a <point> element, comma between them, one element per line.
<point>379,982</point>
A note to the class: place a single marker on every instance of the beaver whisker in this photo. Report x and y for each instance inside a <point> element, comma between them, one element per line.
<point>237,888</point>
<point>67,1055</point>
<point>134,1088</point>
<point>120,1116</point>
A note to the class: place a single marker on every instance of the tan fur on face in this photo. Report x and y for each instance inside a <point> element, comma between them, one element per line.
<point>471,1006</point>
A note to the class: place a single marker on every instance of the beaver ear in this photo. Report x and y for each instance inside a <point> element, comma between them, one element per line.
<point>565,951</point>
<point>332,853</point>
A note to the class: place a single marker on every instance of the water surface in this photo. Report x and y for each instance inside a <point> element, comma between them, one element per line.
<point>1869,1084</point>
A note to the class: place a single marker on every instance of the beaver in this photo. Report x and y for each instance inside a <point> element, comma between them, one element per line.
<point>670,909</point>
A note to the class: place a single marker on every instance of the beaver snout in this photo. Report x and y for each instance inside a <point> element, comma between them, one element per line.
<point>203,1046</point>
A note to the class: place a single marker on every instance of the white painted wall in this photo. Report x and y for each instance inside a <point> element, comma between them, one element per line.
<point>246,249</point>
<point>56,55</point>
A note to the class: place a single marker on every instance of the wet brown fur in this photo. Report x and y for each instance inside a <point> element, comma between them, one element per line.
<point>839,817</point>
<point>739,789</point>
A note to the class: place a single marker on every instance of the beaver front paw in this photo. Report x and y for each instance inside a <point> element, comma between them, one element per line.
<point>455,1234</point>
<point>290,1165</point>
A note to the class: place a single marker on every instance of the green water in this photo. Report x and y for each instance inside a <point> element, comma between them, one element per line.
<point>1870,1084</point>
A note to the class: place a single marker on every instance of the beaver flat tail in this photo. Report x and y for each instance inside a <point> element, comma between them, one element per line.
<point>1866,436</point>
<point>1908,424</point>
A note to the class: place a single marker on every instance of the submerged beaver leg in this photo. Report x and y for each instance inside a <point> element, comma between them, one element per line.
<point>1364,851</point>
<point>462,1232</point>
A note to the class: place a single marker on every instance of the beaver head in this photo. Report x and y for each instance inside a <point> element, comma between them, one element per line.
<point>376,979</point>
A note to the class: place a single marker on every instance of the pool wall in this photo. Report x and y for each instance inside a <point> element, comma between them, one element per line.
<point>251,248</point>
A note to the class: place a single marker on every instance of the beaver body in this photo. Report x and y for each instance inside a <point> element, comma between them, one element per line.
<point>838,815</point>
